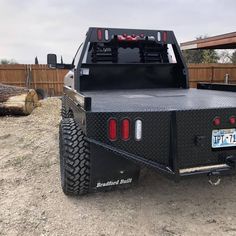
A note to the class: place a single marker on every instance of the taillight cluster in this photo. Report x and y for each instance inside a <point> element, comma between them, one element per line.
<point>217,120</point>
<point>160,36</point>
<point>123,128</point>
<point>132,37</point>
<point>100,34</point>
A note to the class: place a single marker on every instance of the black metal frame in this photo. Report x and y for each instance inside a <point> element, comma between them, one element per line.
<point>217,86</point>
<point>78,98</point>
<point>137,159</point>
<point>181,72</point>
<point>171,171</point>
<point>81,105</point>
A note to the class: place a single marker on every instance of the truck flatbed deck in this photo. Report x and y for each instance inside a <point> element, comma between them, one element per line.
<point>159,100</point>
<point>127,104</point>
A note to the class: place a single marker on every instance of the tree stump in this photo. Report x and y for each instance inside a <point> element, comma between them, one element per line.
<point>17,100</point>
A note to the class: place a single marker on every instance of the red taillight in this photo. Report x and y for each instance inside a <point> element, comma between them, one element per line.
<point>129,38</point>
<point>232,120</point>
<point>216,121</point>
<point>165,36</point>
<point>112,132</point>
<point>99,34</point>
<point>125,129</point>
<point>125,37</point>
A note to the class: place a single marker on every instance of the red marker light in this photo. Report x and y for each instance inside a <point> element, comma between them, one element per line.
<point>217,121</point>
<point>112,132</point>
<point>129,38</point>
<point>125,129</point>
<point>99,34</point>
<point>165,36</point>
<point>232,120</point>
<point>120,37</point>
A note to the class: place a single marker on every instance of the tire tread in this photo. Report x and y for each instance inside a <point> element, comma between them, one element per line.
<point>74,158</point>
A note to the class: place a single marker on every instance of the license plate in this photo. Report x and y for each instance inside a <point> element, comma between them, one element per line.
<point>223,138</point>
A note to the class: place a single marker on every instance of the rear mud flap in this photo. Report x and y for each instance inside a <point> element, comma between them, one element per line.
<point>108,171</point>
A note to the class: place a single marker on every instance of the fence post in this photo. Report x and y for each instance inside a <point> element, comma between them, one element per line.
<point>226,78</point>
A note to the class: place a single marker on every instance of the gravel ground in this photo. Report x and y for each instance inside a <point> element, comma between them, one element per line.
<point>32,203</point>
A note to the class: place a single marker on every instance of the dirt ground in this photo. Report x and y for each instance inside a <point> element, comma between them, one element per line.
<point>32,203</point>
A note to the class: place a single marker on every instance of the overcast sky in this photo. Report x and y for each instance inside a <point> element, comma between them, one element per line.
<point>35,28</point>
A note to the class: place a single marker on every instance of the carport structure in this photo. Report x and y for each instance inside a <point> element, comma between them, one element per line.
<point>213,74</point>
<point>223,41</point>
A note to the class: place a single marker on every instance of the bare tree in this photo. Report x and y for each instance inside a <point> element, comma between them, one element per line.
<point>228,56</point>
<point>6,61</point>
<point>233,57</point>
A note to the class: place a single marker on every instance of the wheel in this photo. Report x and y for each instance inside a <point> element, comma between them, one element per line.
<point>74,158</point>
<point>65,113</point>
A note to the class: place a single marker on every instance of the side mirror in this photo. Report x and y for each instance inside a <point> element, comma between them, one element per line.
<point>52,60</point>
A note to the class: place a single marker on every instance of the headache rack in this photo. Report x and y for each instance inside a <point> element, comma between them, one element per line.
<point>130,59</point>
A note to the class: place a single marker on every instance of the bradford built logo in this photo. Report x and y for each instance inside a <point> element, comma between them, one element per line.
<point>112,183</point>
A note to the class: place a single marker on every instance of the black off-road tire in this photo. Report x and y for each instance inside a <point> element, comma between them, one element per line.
<point>74,158</point>
<point>65,113</point>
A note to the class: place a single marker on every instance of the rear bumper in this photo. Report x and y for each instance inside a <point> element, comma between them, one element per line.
<point>221,169</point>
<point>176,143</point>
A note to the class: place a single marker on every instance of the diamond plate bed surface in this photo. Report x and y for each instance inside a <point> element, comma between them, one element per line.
<point>159,100</point>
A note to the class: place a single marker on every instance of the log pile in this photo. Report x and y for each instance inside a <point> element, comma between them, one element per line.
<point>17,100</point>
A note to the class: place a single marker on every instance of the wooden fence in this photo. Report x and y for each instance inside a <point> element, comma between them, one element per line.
<point>51,80</point>
<point>34,76</point>
<point>211,73</point>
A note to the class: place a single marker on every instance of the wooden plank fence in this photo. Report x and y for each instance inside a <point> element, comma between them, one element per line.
<point>51,80</point>
<point>211,73</point>
<point>34,76</point>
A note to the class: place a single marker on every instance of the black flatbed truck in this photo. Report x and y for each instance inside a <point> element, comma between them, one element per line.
<point>131,106</point>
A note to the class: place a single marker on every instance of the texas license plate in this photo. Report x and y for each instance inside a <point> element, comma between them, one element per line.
<point>223,138</point>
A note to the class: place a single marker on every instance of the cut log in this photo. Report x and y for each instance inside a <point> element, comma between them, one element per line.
<point>16,100</point>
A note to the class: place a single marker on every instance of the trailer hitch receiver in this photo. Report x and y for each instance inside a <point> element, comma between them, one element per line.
<point>214,178</point>
<point>231,161</point>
